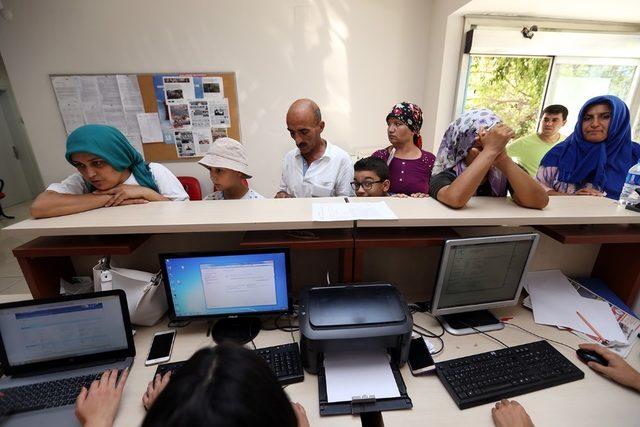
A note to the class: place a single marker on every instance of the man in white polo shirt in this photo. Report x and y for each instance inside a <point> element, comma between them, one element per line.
<point>316,168</point>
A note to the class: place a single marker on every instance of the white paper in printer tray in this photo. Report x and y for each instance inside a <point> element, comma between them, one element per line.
<point>358,373</point>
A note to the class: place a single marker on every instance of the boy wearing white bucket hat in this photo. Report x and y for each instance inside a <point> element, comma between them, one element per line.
<point>229,170</point>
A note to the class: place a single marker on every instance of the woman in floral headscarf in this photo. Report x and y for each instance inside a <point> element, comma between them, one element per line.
<point>409,165</point>
<point>472,161</point>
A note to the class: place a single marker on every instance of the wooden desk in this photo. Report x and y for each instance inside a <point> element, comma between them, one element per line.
<point>405,237</point>
<point>589,402</point>
<point>120,230</point>
<point>341,239</point>
<point>45,260</point>
<point>568,219</point>
<point>618,262</point>
<point>266,220</point>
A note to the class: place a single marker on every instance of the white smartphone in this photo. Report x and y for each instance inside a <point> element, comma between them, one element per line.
<point>420,360</point>
<point>161,347</point>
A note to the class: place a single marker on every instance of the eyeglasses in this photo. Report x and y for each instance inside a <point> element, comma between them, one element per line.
<point>367,185</point>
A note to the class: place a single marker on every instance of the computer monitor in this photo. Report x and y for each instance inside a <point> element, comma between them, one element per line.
<point>233,287</point>
<point>477,274</point>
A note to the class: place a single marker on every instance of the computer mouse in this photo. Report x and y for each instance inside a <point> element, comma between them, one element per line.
<point>591,356</point>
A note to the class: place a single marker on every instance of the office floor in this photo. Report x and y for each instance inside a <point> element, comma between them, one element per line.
<point>11,279</point>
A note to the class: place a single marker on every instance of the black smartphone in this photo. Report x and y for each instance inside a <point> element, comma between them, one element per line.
<point>161,347</point>
<point>420,360</point>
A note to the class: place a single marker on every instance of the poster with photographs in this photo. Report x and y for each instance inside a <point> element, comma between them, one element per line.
<point>192,111</point>
<point>178,88</point>
<point>220,113</point>
<point>203,140</point>
<point>185,145</point>
<point>199,112</point>
<point>212,87</point>
<point>179,115</point>
<point>217,133</point>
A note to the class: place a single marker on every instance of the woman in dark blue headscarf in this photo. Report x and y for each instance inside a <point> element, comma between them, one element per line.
<point>595,158</point>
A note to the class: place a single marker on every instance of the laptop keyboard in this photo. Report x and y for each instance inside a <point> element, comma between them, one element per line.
<point>50,394</point>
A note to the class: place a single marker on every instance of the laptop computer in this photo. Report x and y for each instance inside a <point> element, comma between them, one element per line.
<point>50,348</point>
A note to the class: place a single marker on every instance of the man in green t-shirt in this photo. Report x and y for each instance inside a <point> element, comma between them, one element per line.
<point>528,150</point>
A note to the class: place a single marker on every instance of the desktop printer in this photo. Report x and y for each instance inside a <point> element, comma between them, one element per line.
<point>364,317</point>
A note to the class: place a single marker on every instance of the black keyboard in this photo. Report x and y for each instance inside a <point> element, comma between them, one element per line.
<point>494,375</point>
<point>50,394</point>
<point>284,360</point>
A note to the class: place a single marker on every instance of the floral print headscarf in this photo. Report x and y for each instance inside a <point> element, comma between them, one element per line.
<point>411,115</point>
<point>459,139</point>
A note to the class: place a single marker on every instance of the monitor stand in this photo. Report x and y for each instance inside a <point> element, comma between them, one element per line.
<point>240,330</point>
<point>464,323</point>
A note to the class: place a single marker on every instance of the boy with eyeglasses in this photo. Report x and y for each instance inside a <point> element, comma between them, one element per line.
<point>371,178</point>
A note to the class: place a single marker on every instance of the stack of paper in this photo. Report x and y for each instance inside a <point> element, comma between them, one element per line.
<point>357,374</point>
<point>556,302</point>
<point>351,211</point>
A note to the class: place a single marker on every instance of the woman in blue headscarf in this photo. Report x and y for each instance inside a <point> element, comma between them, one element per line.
<point>595,158</point>
<point>110,173</point>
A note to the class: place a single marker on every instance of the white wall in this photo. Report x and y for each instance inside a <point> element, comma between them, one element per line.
<point>356,58</point>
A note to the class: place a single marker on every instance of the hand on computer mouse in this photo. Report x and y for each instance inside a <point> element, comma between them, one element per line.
<point>510,414</point>
<point>618,370</point>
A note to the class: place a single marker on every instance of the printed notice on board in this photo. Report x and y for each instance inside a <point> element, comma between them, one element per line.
<point>202,139</point>
<point>132,103</point>
<point>220,113</point>
<point>150,129</point>
<point>179,115</point>
<point>112,103</point>
<point>91,100</point>
<point>68,96</point>
<point>185,145</point>
<point>212,87</point>
<point>199,113</point>
<point>178,89</point>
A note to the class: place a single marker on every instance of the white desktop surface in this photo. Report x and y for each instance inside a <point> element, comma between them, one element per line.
<point>429,212</point>
<point>290,214</point>
<point>184,217</point>
<point>592,401</point>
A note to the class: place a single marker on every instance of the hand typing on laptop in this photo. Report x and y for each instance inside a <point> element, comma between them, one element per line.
<point>98,406</point>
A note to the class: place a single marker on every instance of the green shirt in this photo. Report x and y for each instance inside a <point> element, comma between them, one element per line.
<point>529,150</point>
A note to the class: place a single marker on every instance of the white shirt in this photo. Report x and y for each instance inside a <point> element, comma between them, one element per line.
<point>219,195</point>
<point>330,175</point>
<point>168,184</point>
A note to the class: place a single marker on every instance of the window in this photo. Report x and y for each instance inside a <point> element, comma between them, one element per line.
<point>564,63</point>
<point>513,87</point>
<point>575,80</point>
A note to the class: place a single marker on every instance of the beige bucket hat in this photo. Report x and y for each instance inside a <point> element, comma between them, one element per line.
<point>227,153</point>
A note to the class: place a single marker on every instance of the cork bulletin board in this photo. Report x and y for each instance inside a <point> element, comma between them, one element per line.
<point>193,109</point>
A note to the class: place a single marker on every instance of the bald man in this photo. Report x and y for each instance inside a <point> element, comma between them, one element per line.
<point>316,168</point>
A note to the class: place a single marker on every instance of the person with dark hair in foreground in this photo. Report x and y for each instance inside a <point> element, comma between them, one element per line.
<point>226,385</point>
<point>511,414</point>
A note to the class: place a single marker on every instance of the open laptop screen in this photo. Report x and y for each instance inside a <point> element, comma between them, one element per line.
<point>42,332</point>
